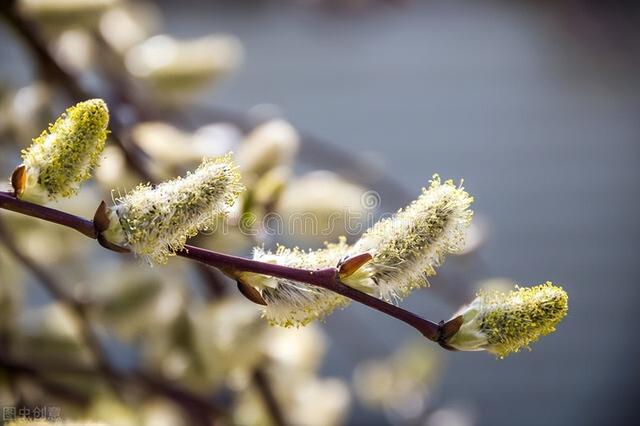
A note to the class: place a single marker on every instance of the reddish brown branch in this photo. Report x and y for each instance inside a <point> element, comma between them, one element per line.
<point>326,278</point>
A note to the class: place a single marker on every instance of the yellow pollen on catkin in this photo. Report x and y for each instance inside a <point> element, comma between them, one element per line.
<point>503,323</point>
<point>64,156</point>
<point>292,303</point>
<point>407,247</point>
<point>155,222</point>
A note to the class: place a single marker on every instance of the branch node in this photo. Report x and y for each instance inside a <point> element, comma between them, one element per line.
<point>350,265</point>
<point>251,293</point>
<point>447,329</point>
<point>19,180</point>
<point>101,223</point>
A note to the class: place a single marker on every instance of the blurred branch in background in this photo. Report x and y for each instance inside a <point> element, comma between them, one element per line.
<point>55,71</point>
<point>212,357</point>
<point>199,409</point>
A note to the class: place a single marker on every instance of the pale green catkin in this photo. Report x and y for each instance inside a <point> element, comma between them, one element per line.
<point>504,323</point>
<point>407,247</point>
<point>64,155</point>
<point>292,303</point>
<point>155,222</point>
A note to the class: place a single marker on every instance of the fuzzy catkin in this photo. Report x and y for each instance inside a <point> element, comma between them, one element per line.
<point>292,303</point>
<point>155,222</point>
<point>503,323</point>
<point>407,247</point>
<point>64,155</point>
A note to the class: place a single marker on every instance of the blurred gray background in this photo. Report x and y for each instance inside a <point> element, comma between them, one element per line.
<point>537,107</point>
<point>539,111</point>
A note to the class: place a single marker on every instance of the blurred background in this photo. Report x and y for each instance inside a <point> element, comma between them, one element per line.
<point>535,104</point>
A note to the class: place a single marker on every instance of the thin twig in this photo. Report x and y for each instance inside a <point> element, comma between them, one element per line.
<point>326,278</point>
<point>199,409</point>
<point>211,279</point>
<point>84,226</point>
<point>136,158</point>
<point>69,82</point>
<point>57,291</point>
<point>32,372</point>
<point>261,380</point>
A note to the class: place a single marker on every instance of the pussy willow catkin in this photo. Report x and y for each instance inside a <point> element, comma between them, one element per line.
<point>155,222</point>
<point>502,323</point>
<point>291,303</point>
<point>64,155</point>
<point>407,247</point>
